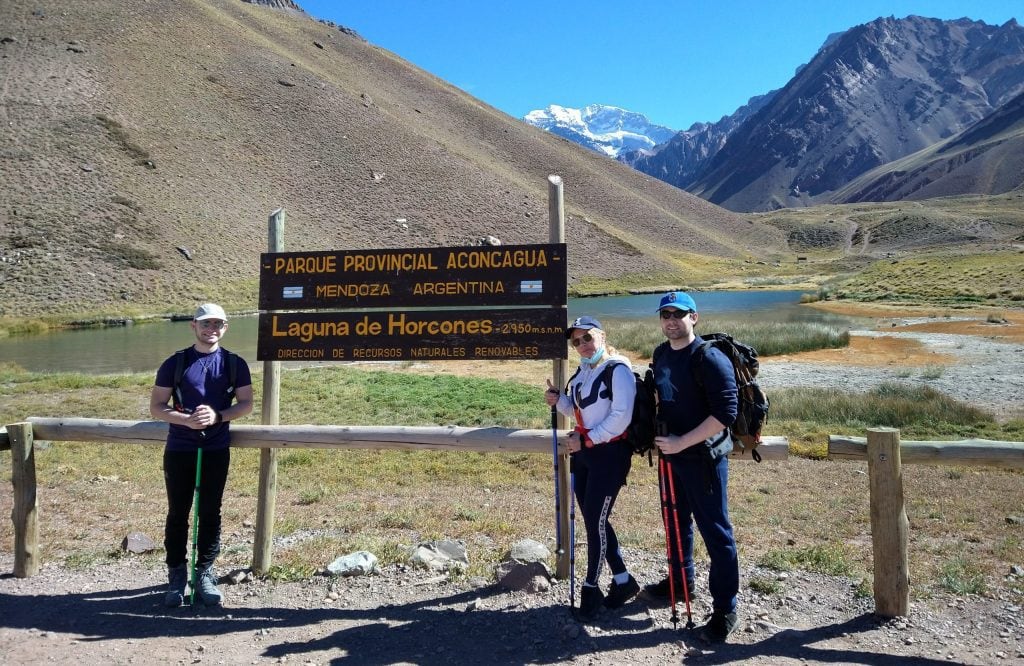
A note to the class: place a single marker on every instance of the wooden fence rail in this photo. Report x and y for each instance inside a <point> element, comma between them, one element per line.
<point>881,448</point>
<point>18,438</point>
<point>890,528</point>
<point>964,453</point>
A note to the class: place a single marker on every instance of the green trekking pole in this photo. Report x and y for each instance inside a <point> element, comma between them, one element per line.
<point>195,527</point>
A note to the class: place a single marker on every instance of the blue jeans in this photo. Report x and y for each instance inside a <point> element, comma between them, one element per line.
<point>180,480</point>
<point>701,494</point>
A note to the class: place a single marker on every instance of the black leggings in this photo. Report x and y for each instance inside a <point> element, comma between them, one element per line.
<point>598,475</point>
<point>180,479</point>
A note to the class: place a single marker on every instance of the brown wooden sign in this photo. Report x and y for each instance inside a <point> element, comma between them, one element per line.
<point>505,275</point>
<point>526,333</point>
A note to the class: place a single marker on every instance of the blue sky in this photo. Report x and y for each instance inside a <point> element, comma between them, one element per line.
<point>677,62</point>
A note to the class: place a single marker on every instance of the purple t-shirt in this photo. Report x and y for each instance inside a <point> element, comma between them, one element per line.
<point>206,381</point>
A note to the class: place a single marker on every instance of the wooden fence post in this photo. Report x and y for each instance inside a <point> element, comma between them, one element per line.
<point>556,234</point>
<point>889,524</point>
<point>266,502</point>
<point>25,513</point>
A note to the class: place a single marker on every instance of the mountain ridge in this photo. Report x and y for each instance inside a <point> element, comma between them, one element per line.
<point>830,124</point>
<point>870,96</point>
<point>142,163</point>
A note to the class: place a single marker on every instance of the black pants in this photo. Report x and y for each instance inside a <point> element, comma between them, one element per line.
<point>180,479</point>
<point>598,475</point>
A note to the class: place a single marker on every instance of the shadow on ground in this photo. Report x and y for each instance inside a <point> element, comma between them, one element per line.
<point>457,628</point>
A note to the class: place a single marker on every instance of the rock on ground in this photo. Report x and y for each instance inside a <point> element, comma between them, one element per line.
<point>114,614</point>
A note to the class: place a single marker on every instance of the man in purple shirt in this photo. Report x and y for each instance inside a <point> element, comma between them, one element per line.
<point>198,390</point>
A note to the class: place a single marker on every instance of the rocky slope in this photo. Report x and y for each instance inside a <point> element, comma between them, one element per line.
<point>986,157</point>
<point>139,164</point>
<point>879,92</point>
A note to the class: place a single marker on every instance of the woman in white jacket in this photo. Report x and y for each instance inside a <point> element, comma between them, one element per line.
<point>599,398</point>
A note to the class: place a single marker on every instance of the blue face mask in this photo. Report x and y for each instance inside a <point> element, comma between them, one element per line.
<point>595,358</point>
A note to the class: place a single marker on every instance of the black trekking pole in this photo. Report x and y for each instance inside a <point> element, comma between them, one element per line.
<point>559,546</point>
<point>572,540</point>
<point>195,526</point>
<point>679,543</point>
<point>663,488</point>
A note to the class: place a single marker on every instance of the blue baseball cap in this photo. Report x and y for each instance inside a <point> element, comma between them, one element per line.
<point>677,299</point>
<point>585,323</point>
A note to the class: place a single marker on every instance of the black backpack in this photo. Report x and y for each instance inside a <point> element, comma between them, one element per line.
<point>752,411</point>
<point>643,426</point>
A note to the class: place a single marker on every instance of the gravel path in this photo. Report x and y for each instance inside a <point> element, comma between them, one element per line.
<point>988,374</point>
<point>112,614</point>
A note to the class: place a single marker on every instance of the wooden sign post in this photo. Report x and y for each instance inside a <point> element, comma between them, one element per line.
<point>449,303</point>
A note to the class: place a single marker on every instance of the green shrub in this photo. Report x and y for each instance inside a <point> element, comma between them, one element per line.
<point>961,575</point>
<point>768,338</point>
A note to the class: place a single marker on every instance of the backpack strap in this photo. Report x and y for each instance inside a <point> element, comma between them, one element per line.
<point>609,378</point>
<point>179,373</point>
<point>232,359</point>
<point>698,364</point>
<point>658,352</point>
<point>569,381</point>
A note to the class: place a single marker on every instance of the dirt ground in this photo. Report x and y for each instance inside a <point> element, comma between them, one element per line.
<point>113,613</point>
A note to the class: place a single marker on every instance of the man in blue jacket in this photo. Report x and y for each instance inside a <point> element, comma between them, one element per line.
<point>697,402</point>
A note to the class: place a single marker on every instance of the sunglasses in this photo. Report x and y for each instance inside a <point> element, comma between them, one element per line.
<point>212,323</point>
<point>586,337</point>
<point>674,314</point>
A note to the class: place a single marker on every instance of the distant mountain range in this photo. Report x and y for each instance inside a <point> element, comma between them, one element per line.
<point>605,129</point>
<point>141,177</point>
<point>878,93</point>
<point>681,159</point>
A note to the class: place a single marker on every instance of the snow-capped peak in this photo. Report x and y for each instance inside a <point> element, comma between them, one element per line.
<point>606,129</point>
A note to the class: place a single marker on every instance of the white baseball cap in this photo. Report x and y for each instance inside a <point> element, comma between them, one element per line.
<point>210,311</point>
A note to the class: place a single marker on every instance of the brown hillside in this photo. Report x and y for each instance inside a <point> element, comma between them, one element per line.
<point>132,130</point>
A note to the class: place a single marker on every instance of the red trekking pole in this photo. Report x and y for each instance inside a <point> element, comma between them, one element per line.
<point>679,548</point>
<point>663,487</point>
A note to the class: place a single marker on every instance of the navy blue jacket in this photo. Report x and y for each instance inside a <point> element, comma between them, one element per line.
<point>682,404</point>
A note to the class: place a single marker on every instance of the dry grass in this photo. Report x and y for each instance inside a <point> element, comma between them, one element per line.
<point>955,251</point>
<point>994,278</point>
<point>332,502</point>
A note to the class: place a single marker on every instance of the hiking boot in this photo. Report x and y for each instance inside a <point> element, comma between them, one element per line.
<point>177,578</point>
<point>618,595</point>
<point>208,591</point>
<point>590,602</point>
<point>662,592</point>
<point>718,627</point>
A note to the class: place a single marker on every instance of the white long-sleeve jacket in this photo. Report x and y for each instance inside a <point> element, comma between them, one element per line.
<point>605,415</point>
